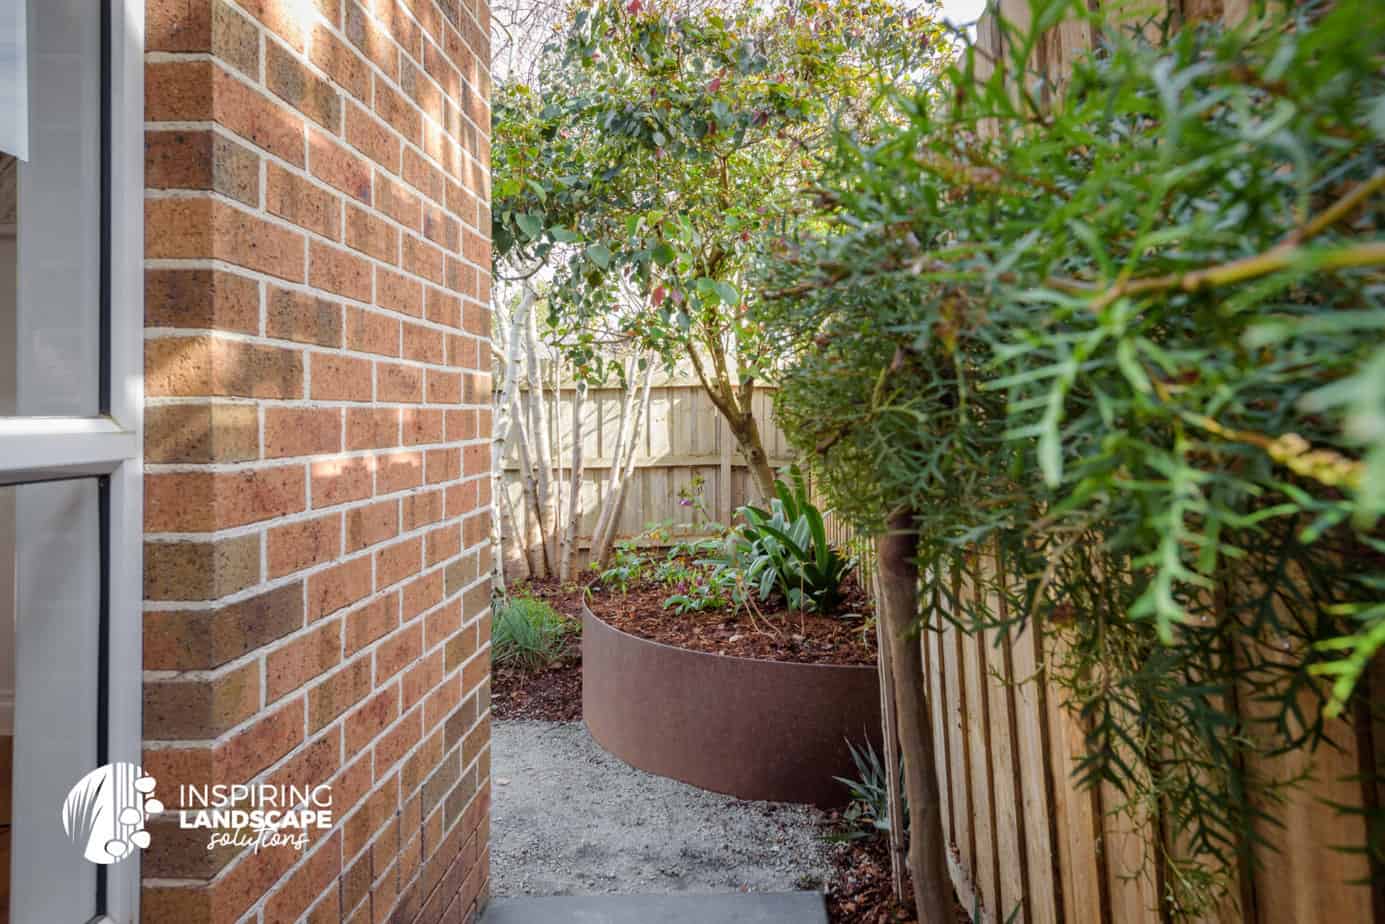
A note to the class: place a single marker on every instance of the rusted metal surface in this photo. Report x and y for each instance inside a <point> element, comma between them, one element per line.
<point>753,729</point>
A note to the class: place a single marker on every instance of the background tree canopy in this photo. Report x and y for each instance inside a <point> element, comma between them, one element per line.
<point>665,150</point>
<point>1133,339</point>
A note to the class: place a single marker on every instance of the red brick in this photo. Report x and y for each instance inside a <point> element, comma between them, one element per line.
<point>338,167</point>
<point>399,471</point>
<point>252,749</point>
<point>373,41</point>
<point>339,62</point>
<point>288,78</point>
<point>294,897</point>
<point>398,740</point>
<point>302,317</point>
<point>398,383</point>
<point>396,562</point>
<point>255,117</point>
<point>398,201</point>
<point>443,543</point>
<point>373,138</point>
<point>422,425</point>
<point>201,298</point>
<point>309,656</point>
<point>207,501</point>
<point>371,234</point>
<point>372,523</point>
<point>398,292</point>
<point>444,308</point>
<point>340,378</point>
<point>423,344</point>
<point>202,708</point>
<point>301,431</point>
<point>398,111</point>
<point>371,719</point>
<point>302,202</point>
<point>339,692</point>
<point>371,622</point>
<point>338,586</point>
<point>201,160</point>
<point>295,546</point>
<point>372,332</point>
<point>422,594</point>
<point>372,428</point>
<point>339,271</point>
<point>422,175</point>
<point>422,259</point>
<point>337,481</point>
<point>444,387</point>
<point>203,228</point>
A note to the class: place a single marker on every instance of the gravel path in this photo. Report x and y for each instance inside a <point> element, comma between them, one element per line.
<point>570,819</point>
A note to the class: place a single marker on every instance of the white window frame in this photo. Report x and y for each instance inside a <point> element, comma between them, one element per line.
<point>109,446</point>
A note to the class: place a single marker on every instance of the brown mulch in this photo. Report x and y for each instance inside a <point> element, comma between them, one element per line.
<point>859,890</point>
<point>554,695</point>
<point>773,634</point>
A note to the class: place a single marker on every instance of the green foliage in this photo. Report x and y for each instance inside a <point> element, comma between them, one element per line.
<point>1127,333</point>
<point>869,810</point>
<point>664,148</point>
<point>785,548</point>
<point>528,634</point>
<point>628,566</point>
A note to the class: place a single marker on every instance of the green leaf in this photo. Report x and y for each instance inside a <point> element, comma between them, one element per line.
<point>599,254</point>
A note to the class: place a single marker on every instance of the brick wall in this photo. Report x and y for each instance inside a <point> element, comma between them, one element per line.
<point>317,380</point>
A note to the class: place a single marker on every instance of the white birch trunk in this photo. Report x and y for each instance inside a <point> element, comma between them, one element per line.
<point>533,536</point>
<point>503,421</point>
<point>627,410</point>
<point>542,457</point>
<point>574,491</point>
<point>601,545</point>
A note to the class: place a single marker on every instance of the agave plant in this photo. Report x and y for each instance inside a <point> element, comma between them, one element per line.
<point>785,548</point>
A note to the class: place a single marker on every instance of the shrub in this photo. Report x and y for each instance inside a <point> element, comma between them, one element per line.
<point>785,548</point>
<point>528,634</point>
<point>1126,332</point>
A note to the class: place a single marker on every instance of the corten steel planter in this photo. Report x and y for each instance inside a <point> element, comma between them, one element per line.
<point>754,729</point>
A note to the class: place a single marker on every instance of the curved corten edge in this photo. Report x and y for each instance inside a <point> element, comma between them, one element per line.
<point>765,730</point>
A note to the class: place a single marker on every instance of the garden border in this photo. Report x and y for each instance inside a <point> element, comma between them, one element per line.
<point>686,715</point>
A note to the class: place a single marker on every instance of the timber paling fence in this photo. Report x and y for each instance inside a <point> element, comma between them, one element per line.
<point>1026,842</point>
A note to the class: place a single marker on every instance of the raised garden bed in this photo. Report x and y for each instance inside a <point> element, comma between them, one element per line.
<point>749,727</point>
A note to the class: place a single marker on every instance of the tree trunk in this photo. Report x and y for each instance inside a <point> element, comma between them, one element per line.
<point>574,492</point>
<point>601,544</point>
<point>504,417</point>
<point>542,451</point>
<point>627,410</point>
<point>533,523</point>
<point>899,609</point>
<point>746,430</point>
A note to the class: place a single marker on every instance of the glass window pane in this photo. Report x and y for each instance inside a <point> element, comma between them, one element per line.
<point>50,614</point>
<point>50,223</point>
